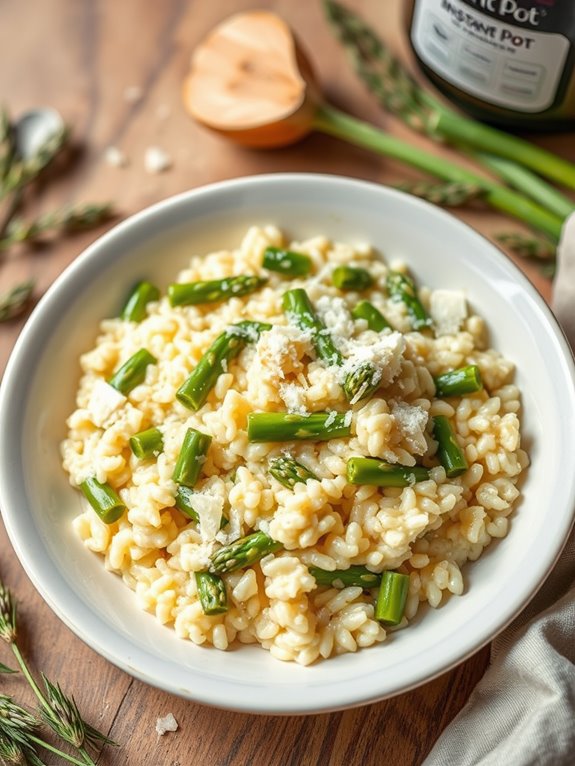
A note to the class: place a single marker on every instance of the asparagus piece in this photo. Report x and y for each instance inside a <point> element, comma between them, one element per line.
<point>449,452</point>
<point>300,311</point>
<point>285,427</point>
<point>402,289</point>
<point>135,308</point>
<point>287,262</point>
<point>289,472</point>
<point>212,291</point>
<point>212,593</point>
<point>132,372</point>
<point>191,458</point>
<point>147,443</point>
<point>344,578</point>
<point>374,318</point>
<point>464,380</point>
<point>378,473</point>
<point>392,597</point>
<point>103,499</point>
<point>361,382</point>
<point>194,391</point>
<point>242,553</point>
<point>351,278</point>
<point>14,302</point>
<point>184,502</point>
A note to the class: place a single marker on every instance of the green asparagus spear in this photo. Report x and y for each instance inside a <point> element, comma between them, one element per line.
<point>465,380</point>
<point>359,383</point>
<point>243,553</point>
<point>191,458</point>
<point>287,262</point>
<point>351,278</point>
<point>212,593</point>
<point>213,291</point>
<point>135,308</point>
<point>184,502</point>
<point>103,499</point>
<point>194,391</point>
<point>402,289</point>
<point>362,382</point>
<point>132,372</point>
<point>378,473</point>
<point>449,452</point>
<point>374,318</point>
<point>392,598</point>
<point>285,427</point>
<point>343,578</point>
<point>289,472</point>
<point>147,443</point>
<point>300,311</point>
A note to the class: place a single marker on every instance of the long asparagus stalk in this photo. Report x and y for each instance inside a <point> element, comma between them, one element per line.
<point>399,93</point>
<point>330,120</point>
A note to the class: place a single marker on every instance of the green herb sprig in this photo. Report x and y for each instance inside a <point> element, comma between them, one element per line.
<point>19,727</point>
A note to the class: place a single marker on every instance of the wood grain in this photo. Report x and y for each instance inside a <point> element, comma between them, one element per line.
<point>80,57</point>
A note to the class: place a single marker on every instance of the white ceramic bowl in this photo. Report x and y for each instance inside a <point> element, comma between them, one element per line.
<point>37,394</point>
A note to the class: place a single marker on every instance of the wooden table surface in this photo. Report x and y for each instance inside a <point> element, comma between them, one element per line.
<point>82,57</point>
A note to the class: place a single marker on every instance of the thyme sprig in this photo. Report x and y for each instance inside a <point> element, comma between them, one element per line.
<point>68,219</point>
<point>56,709</point>
<point>14,301</point>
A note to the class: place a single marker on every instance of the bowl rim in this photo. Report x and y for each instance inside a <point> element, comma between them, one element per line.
<point>102,637</point>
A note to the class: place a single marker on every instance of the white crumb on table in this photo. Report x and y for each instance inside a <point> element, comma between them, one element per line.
<point>163,111</point>
<point>165,724</point>
<point>156,160</point>
<point>132,94</point>
<point>115,157</point>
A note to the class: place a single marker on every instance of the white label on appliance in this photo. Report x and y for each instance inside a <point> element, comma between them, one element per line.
<point>500,63</point>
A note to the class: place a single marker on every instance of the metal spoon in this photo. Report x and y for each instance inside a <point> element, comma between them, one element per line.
<point>34,128</point>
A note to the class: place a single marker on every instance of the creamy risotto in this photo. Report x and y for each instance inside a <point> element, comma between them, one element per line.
<point>294,447</point>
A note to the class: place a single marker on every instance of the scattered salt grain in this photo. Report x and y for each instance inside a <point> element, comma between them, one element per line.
<point>156,160</point>
<point>132,94</point>
<point>163,112</point>
<point>115,157</point>
<point>168,723</point>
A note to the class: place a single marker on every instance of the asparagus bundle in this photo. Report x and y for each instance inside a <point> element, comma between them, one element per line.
<point>516,162</point>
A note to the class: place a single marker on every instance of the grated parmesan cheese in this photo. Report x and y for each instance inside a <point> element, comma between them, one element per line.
<point>334,314</point>
<point>104,400</point>
<point>448,309</point>
<point>115,157</point>
<point>156,160</point>
<point>385,353</point>
<point>293,396</point>
<point>208,503</point>
<point>168,723</point>
<point>411,420</point>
